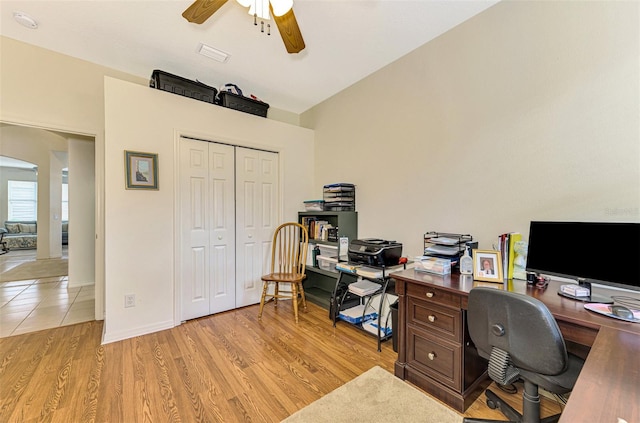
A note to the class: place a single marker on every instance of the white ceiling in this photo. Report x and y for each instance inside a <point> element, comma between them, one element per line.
<point>346,40</point>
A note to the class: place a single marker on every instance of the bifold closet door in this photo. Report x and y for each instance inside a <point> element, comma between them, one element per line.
<point>207,222</point>
<point>257,197</point>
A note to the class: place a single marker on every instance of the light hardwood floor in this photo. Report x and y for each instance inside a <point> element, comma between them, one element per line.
<point>226,367</point>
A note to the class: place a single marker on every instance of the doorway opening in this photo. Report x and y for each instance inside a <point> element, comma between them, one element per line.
<point>44,280</point>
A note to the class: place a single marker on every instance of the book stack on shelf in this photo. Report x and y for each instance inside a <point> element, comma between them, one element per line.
<point>318,229</point>
<point>339,197</point>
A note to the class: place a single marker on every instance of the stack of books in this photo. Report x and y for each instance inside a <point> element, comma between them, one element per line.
<point>317,229</point>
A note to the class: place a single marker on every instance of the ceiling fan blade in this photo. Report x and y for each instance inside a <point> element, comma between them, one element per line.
<point>201,10</point>
<point>289,31</point>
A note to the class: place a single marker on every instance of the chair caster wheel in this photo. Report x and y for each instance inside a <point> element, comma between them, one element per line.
<point>492,405</point>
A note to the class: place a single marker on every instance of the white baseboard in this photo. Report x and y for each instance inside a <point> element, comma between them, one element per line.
<point>107,338</point>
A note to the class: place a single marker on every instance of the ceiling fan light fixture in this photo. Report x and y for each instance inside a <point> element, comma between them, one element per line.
<point>280,7</point>
<point>213,53</point>
<point>260,8</point>
<point>257,8</point>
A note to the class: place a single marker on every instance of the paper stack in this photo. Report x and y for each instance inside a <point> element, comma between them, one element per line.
<point>369,272</point>
<point>346,267</point>
<point>371,326</point>
<point>358,314</point>
<point>364,287</point>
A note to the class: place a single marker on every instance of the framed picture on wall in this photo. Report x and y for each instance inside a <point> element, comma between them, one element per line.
<point>141,170</point>
<point>487,266</point>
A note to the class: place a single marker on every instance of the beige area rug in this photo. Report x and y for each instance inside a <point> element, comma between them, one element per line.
<point>375,396</point>
<point>36,269</point>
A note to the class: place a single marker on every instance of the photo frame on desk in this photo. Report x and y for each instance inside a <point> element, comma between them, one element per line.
<point>141,170</point>
<point>487,266</point>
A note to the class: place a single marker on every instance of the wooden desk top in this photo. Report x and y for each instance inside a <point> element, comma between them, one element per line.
<point>608,387</point>
<point>563,309</point>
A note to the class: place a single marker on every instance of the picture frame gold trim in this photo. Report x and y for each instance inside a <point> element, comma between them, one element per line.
<point>141,170</point>
<point>487,266</point>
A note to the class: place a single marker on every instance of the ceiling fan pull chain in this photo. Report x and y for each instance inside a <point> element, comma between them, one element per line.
<point>255,19</point>
<point>268,29</point>
<point>261,26</point>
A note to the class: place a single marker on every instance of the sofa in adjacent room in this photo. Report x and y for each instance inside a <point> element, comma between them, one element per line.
<point>23,235</point>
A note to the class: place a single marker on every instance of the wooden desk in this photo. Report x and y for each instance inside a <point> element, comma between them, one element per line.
<point>608,387</point>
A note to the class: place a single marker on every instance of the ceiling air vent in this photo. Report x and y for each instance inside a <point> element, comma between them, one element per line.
<point>213,53</point>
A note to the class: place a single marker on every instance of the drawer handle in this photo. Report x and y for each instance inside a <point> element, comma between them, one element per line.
<point>431,356</point>
<point>432,318</point>
<point>429,294</point>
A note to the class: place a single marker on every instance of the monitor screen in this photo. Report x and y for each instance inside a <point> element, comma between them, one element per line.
<point>605,253</point>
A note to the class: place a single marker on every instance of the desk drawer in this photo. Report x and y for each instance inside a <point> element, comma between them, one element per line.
<point>438,296</point>
<point>447,322</point>
<point>436,358</point>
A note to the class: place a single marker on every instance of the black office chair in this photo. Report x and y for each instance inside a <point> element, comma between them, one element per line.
<point>521,340</point>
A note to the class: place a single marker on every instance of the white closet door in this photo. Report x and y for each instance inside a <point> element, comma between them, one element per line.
<point>223,223</point>
<point>206,199</point>
<point>257,197</point>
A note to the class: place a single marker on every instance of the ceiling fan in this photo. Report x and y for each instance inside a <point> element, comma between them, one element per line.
<point>281,10</point>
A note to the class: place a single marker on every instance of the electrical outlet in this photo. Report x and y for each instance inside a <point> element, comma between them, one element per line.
<point>129,300</point>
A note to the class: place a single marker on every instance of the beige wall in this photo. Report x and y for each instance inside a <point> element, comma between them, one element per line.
<point>82,200</point>
<point>53,90</point>
<point>527,111</point>
<point>141,239</point>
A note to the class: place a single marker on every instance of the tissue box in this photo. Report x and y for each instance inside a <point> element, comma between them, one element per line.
<point>434,265</point>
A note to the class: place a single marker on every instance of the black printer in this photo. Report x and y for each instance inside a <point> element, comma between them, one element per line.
<point>375,252</point>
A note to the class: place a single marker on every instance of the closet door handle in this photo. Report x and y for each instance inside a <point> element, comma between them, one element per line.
<point>219,237</point>
<point>250,236</point>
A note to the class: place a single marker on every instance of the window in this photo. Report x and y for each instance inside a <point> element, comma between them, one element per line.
<point>23,200</point>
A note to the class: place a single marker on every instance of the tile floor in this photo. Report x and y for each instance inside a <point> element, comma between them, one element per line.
<point>36,304</point>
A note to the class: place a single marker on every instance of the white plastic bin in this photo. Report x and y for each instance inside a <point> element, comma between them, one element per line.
<point>327,263</point>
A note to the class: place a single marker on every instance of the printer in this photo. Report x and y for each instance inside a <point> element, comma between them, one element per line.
<point>375,252</point>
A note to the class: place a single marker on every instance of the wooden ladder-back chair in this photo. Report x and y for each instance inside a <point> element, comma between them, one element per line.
<point>288,262</point>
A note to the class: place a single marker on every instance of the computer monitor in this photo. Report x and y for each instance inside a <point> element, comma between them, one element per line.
<point>605,253</point>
